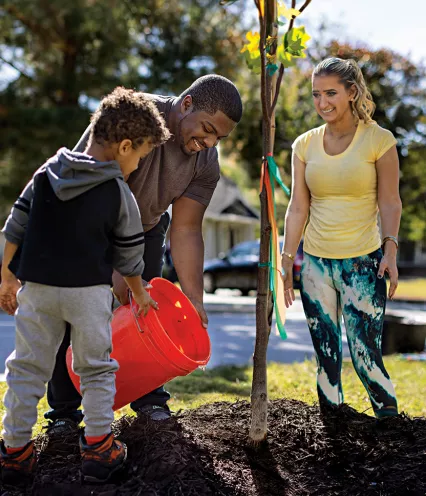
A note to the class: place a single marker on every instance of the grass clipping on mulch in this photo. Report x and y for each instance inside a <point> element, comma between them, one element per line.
<point>205,452</point>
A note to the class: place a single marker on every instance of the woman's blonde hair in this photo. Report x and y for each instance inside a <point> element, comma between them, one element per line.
<point>350,74</point>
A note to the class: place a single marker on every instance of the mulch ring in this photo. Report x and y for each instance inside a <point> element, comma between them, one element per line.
<point>205,452</point>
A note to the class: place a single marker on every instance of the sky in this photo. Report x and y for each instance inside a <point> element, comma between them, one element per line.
<point>394,24</point>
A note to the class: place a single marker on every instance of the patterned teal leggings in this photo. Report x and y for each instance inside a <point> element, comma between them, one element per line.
<point>349,287</point>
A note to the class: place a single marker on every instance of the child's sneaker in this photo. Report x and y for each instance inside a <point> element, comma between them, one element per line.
<point>18,467</point>
<point>101,460</point>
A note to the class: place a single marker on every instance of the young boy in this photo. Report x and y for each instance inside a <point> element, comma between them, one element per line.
<point>74,223</point>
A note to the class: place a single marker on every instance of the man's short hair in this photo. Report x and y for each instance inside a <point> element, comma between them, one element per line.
<point>128,114</point>
<point>212,93</point>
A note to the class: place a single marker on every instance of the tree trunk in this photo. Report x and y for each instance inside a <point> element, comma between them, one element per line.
<point>264,304</point>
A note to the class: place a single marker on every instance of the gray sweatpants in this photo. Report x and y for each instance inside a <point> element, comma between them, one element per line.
<point>40,328</point>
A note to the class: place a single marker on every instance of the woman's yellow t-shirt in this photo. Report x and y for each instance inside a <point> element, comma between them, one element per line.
<point>343,212</point>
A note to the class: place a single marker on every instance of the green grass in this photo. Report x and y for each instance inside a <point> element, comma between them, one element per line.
<point>295,381</point>
<point>411,289</point>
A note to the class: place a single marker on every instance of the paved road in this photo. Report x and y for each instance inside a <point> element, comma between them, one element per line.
<point>232,329</point>
<point>233,337</point>
<point>232,334</point>
<point>7,339</point>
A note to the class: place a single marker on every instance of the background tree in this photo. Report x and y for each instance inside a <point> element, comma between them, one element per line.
<point>398,87</point>
<point>66,55</point>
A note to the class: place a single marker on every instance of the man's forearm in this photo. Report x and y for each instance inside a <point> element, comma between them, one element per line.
<point>187,248</point>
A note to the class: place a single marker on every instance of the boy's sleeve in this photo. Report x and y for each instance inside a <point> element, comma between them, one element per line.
<point>16,224</point>
<point>128,236</point>
<point>82,142</point>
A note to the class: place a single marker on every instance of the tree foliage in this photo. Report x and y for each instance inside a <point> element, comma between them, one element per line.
<point>66,55</point>
<point>399,91</point>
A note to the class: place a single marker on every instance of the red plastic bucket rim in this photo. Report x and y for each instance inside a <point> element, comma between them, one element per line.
<point>152,315</point>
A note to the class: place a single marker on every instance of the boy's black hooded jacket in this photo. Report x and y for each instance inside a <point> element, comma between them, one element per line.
<point>75,221</point>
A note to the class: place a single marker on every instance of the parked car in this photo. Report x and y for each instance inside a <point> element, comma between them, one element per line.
<point>237,269</point>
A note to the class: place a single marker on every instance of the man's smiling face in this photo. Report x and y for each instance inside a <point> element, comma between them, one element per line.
<point>198,130</point>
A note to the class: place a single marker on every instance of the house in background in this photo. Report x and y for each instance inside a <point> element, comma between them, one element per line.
<point>228,220</point>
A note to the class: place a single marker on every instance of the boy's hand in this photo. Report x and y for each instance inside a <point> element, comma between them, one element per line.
<point>145,302</point>
<point>120,288</point>
<point>8,289</point>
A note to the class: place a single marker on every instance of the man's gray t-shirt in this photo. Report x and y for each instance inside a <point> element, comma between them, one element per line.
<point>167,173</point>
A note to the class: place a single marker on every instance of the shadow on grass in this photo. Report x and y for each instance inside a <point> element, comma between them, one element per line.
<point>225,380</point>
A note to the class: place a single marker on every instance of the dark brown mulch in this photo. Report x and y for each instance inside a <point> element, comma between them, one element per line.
<point>205,452</point>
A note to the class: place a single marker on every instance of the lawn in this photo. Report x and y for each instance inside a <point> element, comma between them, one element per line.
<point>411,289</point>
<point>296,381</point>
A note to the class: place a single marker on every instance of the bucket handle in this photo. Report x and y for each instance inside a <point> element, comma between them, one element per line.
<point>134,312</point>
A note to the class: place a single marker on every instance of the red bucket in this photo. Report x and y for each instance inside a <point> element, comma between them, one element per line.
<point>152,350</point>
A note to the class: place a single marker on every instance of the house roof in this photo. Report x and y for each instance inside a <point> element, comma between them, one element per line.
<point>228,200</point>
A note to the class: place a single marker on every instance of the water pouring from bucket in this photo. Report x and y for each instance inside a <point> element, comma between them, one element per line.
<point>154,349</point>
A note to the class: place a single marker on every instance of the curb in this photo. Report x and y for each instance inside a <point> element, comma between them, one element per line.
<point>408,300</point>
<point>229,308</point>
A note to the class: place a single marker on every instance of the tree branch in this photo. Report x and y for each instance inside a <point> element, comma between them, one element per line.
<point>11,64</point>
<point>303,7</point>
<point>277,87</point>
<point>32,26</point>
<point>263,86</point>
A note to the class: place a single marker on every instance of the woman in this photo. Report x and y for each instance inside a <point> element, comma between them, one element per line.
<point>344,172</point>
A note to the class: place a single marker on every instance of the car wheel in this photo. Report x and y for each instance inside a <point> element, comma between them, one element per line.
<point>209,284</point>
<point>245,292</point>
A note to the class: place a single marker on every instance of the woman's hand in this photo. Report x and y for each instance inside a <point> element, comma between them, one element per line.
<point>289,295</point>
<point>388,264</point>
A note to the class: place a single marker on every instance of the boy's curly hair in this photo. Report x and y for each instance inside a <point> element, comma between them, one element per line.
<point>128,114</point>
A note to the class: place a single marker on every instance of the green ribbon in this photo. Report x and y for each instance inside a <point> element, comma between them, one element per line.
<point>275,176</point>
<point>275,172</point>
<point>271,69</point>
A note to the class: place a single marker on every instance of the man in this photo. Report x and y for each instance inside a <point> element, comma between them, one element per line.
<point>183,173</point>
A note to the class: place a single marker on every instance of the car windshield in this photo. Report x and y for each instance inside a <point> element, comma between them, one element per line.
<point>245,249</point>
<point>250,248</point>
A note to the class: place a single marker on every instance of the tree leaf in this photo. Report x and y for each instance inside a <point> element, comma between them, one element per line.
<point>253,46</point>
<point>289,14</point>
<point>285,57</point>
<point>295,41</point>
<point>254,64</point>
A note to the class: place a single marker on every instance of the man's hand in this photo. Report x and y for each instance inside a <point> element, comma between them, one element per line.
<point>120,288</point>
<point>8,289</point>
<point>201,312</point>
